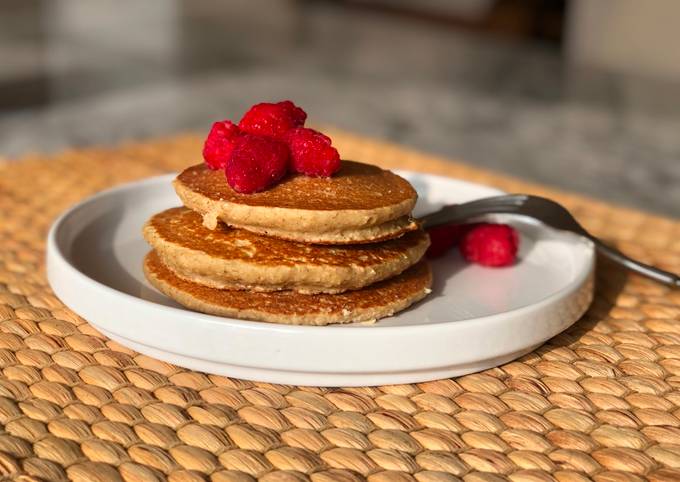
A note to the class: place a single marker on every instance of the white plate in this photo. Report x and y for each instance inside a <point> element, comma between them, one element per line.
<point>474,319</point>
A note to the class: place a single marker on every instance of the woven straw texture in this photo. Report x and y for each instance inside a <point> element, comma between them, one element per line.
<point>599,402</point>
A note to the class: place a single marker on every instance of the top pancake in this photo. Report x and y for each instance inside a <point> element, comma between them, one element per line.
<point>360,203</point>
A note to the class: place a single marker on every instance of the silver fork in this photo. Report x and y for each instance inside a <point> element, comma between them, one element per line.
<point>550,213</point>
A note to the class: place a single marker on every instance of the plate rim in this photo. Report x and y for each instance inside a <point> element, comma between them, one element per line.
<point>307,355</point>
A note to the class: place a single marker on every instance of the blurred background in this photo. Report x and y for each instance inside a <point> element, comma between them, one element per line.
<point>580,94</point>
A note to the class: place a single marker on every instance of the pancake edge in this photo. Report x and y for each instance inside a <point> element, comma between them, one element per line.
<point>312,319</point>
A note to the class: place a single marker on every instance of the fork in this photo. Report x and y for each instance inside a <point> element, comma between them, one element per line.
<point>551,214</point>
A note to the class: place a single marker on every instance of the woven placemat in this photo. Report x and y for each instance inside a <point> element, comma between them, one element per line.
<point>599,402</point>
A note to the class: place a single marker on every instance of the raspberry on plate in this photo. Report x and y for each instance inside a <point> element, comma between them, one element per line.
<point>443,238</point>
<point>311,153</point>
<point>219,144</point>
<point>272,120</point>
<point>256,163</point>
<point>490,244</point>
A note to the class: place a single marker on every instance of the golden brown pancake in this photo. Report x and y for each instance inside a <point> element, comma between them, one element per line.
<point>228,258</point>
<point>289,307</point>
<point>361,203</point>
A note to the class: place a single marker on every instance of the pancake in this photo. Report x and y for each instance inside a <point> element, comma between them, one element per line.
<point>359,204</point>
<point>228,258</point>
<point>376,301</point>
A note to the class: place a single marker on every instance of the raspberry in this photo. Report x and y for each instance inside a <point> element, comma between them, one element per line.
<point>490,244</point>
<point>272,120</point>
<point>219,144</point>
<point>443,238</point>
<point>256,163</point>
<point>311,153</point>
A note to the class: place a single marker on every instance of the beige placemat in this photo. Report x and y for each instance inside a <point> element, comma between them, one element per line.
<point>601,401</point>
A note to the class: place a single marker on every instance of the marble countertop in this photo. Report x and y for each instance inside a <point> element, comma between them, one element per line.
<point>507,106</point>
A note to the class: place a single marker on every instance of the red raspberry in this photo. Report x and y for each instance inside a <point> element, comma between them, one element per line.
<point>311,153</point>
<point>256,163</point>
<point>490,244</point>
<point>443,238</point>
<point>219,144</point>
<point>272,120</point>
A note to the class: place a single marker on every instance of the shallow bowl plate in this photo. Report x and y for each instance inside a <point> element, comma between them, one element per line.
<point>474,319</point>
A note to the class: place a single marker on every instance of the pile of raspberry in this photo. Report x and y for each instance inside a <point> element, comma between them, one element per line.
<point>269,142</point>
<point>488,244</point>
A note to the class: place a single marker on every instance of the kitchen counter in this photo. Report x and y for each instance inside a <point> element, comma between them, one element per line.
<point>512,107</point>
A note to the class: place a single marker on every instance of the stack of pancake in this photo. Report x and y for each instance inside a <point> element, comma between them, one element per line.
<point>309,250</point>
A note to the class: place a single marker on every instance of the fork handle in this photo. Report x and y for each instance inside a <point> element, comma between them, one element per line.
<point>617,256</point>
